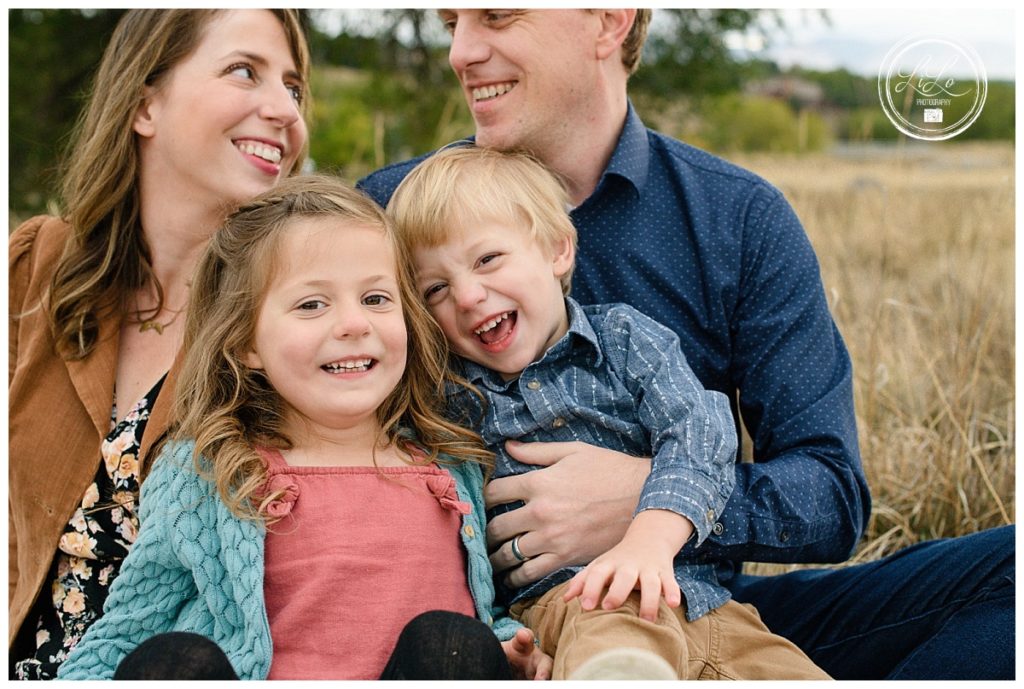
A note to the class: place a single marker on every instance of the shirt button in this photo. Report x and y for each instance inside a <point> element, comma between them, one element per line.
<point>710,516</point>
<point>558,423</point>
<point>468,530</point>
<point>784,536</point>
<point>533,385</point>
<point>717,529</point>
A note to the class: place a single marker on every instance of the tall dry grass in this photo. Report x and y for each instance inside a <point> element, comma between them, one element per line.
<point>916,247</point>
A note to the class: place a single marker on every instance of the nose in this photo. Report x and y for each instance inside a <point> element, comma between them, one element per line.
<point>469,46</point>
<point>279,105</point>
<point>350,323</point>
<point>468,293</point>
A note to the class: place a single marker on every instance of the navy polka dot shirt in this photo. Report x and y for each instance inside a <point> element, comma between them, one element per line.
<point>718,255</point>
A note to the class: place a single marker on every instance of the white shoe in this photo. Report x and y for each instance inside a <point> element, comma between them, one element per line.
<point>625,663</point>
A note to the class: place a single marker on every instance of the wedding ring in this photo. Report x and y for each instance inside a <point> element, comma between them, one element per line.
<point>516,552</point>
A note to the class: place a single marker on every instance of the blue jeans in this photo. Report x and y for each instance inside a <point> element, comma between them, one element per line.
<point>937,610</point>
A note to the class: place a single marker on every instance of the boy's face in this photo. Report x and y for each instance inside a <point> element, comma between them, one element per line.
<point>496,293</point>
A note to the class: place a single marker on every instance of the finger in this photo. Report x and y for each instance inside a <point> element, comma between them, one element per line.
<point>670,587</point>
<point>532,570</point>
<point>544,668</point>
<point>575,586</point>
<point>650,593</point>
<point>508,489</point>
<point>504,527</point>
<point>540,454</point>
<point>620,588</point>
<point>597,579</point>
<point>503,559</point>
<point>524,641</point>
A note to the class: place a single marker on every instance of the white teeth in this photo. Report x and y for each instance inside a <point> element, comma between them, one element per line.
<point>271,154</point>
<point>492,323</point>
<point>348,366</point>
<point>487,92</point>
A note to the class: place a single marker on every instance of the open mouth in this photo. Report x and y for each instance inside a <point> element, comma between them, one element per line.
<point>497,328</point>
<point>271,154</point>
<point>349,366</point>
<point>485,93</point>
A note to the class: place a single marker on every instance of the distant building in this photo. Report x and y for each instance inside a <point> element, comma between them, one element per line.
<point>800,93</point>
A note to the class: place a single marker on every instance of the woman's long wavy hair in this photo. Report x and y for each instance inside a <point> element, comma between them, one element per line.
<point>229,408</point>
<point>106,257</point>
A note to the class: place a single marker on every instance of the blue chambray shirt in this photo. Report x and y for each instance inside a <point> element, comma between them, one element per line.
<point>717,254</point>
<point>617,379</point>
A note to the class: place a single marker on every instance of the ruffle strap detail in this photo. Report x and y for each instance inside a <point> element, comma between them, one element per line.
<point>442,487</point>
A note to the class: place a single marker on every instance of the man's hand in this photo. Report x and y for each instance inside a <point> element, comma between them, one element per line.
<point>526,658</point>
<point>642,561</point>
<point>577,507</point>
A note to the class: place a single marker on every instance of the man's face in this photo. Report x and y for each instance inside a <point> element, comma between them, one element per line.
<point>529,76</point>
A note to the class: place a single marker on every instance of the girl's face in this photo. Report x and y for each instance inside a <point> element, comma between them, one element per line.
<point>224,124</point>
<point>330,333</point>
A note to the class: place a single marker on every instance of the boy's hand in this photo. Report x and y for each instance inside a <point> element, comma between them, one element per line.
<point>526,658</point>
<point>642,560</point>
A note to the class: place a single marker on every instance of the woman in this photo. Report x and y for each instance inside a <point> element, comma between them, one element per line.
<point>192,112</point>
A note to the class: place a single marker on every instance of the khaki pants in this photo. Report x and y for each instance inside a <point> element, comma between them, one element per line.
<point>728,643</point>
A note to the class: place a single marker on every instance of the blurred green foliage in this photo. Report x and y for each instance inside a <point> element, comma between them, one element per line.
<point>382,91</point>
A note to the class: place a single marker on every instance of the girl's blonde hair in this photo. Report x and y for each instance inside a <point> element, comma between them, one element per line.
<point>106,257</point>
<point>228,408</point>
<point>465,184</point>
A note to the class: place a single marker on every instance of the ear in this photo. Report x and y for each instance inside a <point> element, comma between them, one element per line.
<point>144,122</point>
<point>252,360</point>
<point>615,26</point>
<point>564,255</point>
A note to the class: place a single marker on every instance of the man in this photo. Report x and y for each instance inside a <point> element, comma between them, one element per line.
<point>717,254</point>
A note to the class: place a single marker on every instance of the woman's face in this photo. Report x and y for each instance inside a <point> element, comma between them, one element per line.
<point>224,124</point>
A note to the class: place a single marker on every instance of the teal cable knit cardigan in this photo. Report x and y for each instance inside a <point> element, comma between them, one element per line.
<point>197,567</point>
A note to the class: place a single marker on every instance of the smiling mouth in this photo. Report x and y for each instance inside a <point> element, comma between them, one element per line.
<point>485,93</point>
<point>267,152</point>
<point>497,328</point>
<point>349,366</point>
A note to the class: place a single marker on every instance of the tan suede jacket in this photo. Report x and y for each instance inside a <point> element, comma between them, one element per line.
<point>59,413</point>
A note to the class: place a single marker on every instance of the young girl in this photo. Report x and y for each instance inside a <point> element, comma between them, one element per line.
<point>312,501</point>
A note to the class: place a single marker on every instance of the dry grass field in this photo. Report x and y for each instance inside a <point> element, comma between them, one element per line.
<point>917,256</point>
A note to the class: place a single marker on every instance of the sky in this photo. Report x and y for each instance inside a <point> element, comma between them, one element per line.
<point>859,38</point>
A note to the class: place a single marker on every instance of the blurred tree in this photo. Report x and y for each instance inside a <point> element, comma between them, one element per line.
<point>688,53</point>
<point>47,87</point>
<point>382,89</point>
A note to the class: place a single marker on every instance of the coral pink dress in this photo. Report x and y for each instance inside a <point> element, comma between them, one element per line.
<point>359,553</point>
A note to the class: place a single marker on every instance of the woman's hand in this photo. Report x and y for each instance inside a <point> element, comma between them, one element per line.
<point>526,658</point>
<point>577,507</point>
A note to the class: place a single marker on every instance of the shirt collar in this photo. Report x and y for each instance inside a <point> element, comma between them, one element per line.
<point>579,336</point>
<point>631,157</point>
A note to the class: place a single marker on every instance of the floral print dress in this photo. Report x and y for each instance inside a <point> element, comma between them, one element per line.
<point>92,547</point>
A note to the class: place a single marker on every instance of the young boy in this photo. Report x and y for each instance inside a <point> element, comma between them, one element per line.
<point>494,251</point>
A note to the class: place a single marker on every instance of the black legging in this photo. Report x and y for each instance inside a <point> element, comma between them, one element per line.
<point>436,645</point>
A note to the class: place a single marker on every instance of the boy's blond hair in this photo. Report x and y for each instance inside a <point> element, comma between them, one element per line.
<point>465,184</point>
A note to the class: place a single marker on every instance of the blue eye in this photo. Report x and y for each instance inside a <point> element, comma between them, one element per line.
<point>298,93</point>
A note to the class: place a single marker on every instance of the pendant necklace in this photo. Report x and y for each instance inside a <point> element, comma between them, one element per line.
<point>153,324</point>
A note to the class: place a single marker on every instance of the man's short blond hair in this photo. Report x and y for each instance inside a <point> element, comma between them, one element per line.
<point>463,185</point>
<point>633,45</point>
